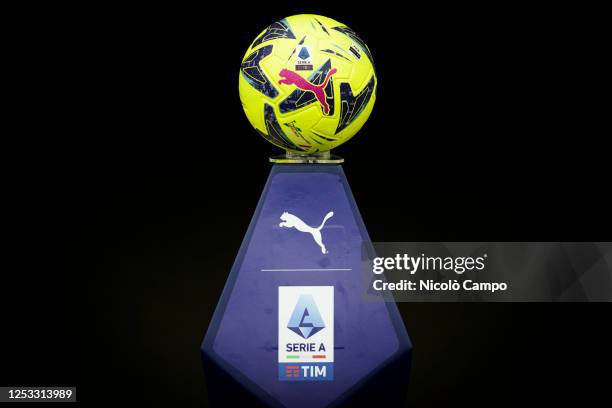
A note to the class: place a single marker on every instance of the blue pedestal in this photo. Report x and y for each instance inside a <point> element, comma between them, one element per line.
<point>292,327</point>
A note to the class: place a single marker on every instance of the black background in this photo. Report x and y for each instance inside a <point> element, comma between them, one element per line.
<point>139,173</point>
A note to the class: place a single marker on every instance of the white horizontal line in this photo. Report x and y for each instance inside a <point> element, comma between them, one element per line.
<point>306,270</point>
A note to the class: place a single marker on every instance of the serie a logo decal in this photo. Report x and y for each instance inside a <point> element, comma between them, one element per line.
<point>303,61</point>
<point>306,333</point>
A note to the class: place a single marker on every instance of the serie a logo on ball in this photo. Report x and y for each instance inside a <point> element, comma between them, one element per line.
<point>307,83</point>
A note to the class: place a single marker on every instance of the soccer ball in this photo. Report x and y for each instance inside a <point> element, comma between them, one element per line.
<point>307,83</point>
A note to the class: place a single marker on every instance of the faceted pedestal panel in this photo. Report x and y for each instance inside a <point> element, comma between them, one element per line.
<point>292,327</point>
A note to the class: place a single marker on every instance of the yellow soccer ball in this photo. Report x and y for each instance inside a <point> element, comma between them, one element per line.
<point>307,83</point>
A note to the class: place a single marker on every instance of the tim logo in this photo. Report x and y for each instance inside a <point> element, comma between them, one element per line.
<point>305,372</point>
<point>292,78</point>
<point>293,221</point>
<point>306,333</point>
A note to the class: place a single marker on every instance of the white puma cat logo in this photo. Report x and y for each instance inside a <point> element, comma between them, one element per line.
<point>292,221</point>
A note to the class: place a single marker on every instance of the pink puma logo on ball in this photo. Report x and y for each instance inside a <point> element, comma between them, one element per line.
<point>291,78</point>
